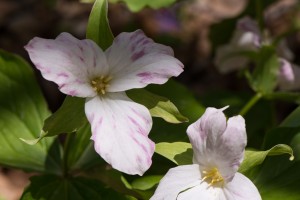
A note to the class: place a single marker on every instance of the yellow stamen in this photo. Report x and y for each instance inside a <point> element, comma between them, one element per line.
<point>100,84</point>
<point>213,176</point>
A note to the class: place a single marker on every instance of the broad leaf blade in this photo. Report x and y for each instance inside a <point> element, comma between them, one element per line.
<point>146,182</point>
<point>22,112</point>
<point>158,106</point>
<point>180,153</point>
<point>67,119</point>
<point>254,158</point>
<point>98,28</point>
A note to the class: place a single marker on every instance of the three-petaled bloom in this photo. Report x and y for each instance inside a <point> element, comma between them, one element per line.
<point>120,127</point>
<point>218,152</point>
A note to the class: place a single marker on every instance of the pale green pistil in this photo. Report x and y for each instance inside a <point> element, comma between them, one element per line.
<point>100,84</point>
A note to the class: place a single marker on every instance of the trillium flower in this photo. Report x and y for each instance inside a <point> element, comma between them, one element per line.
<point>120,127</point>
<point>218,152</point>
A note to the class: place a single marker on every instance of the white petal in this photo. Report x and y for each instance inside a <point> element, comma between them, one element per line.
<point>241,188</point>
<point>120,129</point>
<point>177,180</point>
<point>205,130</point>
<point>216,145</point>
<point>69,62</point>
<point>202,191</point>
<point>137,61</point>
<point>229,149</point>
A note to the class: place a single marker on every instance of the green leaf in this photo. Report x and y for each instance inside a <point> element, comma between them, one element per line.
<point>180,153</point>
<point>146,182</point>
<point>266,71</point>
<point>72,188</point>
<point>137,5</point>
<point>183,98</point>
<point>67,119</point>
<point>254,158</point>
<point>81,154</point>
<point>98,28</point>
<point>158,106</point>
<point>22,112</point>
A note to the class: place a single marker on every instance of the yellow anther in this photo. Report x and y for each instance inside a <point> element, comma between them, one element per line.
<point>213,176</point>
<point>100,84</point>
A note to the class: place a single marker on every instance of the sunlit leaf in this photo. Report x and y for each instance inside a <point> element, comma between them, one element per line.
<point>22,112</point>
<point>158,106</point>
<point>254,158</point>
<point>146,182</point>
<point>180,153</point>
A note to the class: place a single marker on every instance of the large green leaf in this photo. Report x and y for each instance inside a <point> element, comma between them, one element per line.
<point>180,153</point>
<point>22,112</point>
<point>137,5</point>
<point>67,119</point>
<point>146,182</point>
<point>52,187</point>
<point>159,106</point>
<point>254,158</point>
<point>98,28</point>
<point>278,178</point>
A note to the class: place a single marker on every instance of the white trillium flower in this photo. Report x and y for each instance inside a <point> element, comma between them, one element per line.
<point>218,152</point>
<point>120,127</point>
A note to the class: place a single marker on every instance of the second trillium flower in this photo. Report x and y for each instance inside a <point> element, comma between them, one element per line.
<point>218,152</point>
<point>120,127</point>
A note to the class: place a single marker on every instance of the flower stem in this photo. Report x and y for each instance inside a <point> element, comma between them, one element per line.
<point>259,14</point>
<point>250,103</point>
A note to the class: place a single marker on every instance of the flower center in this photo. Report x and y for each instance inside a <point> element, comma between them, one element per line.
<point>213,176</point>
<point>100,84</point>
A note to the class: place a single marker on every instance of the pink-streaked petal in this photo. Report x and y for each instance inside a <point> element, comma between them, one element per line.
<point>137,61</point>
<point>177,180</point>
<point>69,62</point>
<point>204,133</point>
<point>241,188</point>
<point>289,76</point>
<point>120,129</point>
<point>228,150</point>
